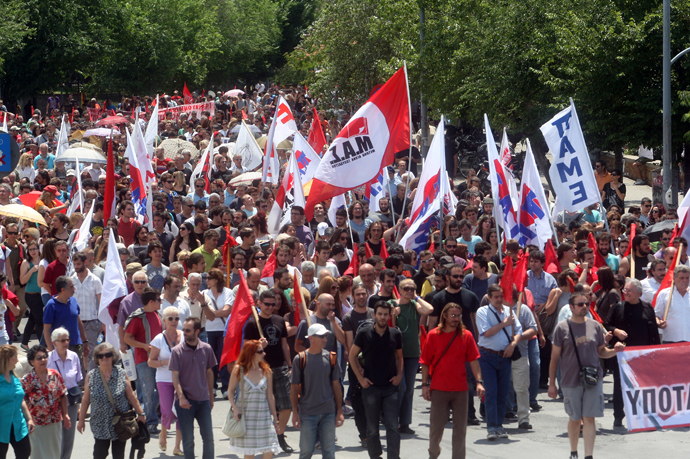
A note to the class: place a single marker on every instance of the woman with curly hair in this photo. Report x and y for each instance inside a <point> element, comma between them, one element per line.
<point>255,403</point>
<point>484,226</point>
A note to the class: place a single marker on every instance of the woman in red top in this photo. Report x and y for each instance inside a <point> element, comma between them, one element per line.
<point>448,348</point>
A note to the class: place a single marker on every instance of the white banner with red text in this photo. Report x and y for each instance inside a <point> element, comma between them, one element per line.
<point>188,109</point>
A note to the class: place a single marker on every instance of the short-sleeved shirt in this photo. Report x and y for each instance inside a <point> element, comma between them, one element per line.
<point>331,343</point>
<point>44,399</point>
<point>408,324</point>
<point>378,352</point>
<point>156,276</point>
<point>128,305</point>
<point>478,286</point>
<point>487,317</point>
<point>471,243</point>
<point>66,315</point>
<point>467,300</point>
<point>354,320</point>
<point>449,373</point>
<point>52,272</point>
<point>317,395</point>
<point>11,398</point>
<point>163,374</point>
<point>209,257</point>
<point>138,332</point>
<point>127,230</point>
<point>274,331</point>
<point>589,337</point>
<point>86,295</point>
<point>541,285</point>
<point>191,365</point>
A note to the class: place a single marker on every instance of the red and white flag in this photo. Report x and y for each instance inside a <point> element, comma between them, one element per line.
<point>203,169</point>
<point>684,217</point>
<point>282,127</point>
<point>188,99</point>
<point>290,193</point>
<point>505,151</point>
<point>367,143</point>
<point>109,198</point>
<point>316,139</point>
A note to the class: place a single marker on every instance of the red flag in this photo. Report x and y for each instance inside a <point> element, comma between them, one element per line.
<point>520,272</point>
<point>599,260</point>
<point>241,311</point>
<point>316,137</point>
<point>109,198</point>
<point>188,99</point>
<point>270,266</point>
<point>422,338</point>
<point>369,141</point>
<point>244,114</point>
<point>32,111</point>
<point>551,266</point>
<point>353,269</point>
<point>595,315</point>
<point>666,283</point>
<point>507,279</point>
<point>633,229</point>
<point>368,250</point>
<point>674,234</point>
<point>432,246</point>
<point>384,250</point>
<point>298,298</point>
<point>230,242</point>
<point>71,116</point>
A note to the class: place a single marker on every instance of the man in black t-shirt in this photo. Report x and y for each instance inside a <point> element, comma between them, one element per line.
<point>277,356</point>
<point>387,278</point>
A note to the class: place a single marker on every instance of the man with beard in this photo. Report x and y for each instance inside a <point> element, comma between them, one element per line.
<point>319,217</point>
<point>387,278</point>
<point>87,292</point>
<point>642,253</point>
<point>282,256</point>
<point>652,284</point>
<point>604,247</point>
<point>454,293</point>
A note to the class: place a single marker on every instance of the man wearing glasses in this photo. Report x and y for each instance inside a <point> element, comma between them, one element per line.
<point>277,356</point>
<point>580,338</point>
<point>87,292</point>
<point>131,303</point>
<point>602,175</point>
<point>645,210</point>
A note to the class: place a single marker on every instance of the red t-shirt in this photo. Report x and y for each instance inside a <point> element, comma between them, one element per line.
<point>161,165</point>
<point>136,328</point>
<point>126,230</point>
<point>449,375</point>
<point>53,271</point>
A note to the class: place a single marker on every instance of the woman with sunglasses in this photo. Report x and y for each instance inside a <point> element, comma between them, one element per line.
<point>66,362</point>
<point>28,275</point>
<point>46,397</point>
<point>257,404</point>
<point>161,347</point>
<point>102,411</point>
<point>613,193</point>
<point>406,314</point>
<point>185,240</point>
<point>258,260</point>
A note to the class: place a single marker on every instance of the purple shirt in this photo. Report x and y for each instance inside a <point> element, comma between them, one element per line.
<point>303,233</point>
<point>195,362</point>
<point>128,305</point>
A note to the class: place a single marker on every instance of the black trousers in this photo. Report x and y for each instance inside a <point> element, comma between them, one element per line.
<point>357,403</point>
<point>22,448</point>
<point>545,358</point>
<point>35,322</point>
<point>101,447</point>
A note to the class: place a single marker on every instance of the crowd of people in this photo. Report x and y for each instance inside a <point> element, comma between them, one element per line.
<point>380,316</point>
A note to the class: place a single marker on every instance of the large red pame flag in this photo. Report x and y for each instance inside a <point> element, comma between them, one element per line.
<point>369,141</point>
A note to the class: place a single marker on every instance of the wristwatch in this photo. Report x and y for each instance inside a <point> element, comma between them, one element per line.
<point>425,384</point>
<point>480,381</point>
<point>141,414</point>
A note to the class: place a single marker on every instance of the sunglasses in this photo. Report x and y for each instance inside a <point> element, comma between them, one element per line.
<point>430,260</point>
<point>408,289</point>
<point>270,305</point>
<point>139,282</point>
<point>581,304</point>
<point>12,233</point>
<point>105,355</point>
<point>457,276</point>
<point>188,330</point>
<point>173,319</point>
<point>259,258</point>
<point>42,357</point>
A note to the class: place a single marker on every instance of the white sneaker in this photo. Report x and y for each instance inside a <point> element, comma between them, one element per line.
<point>502,433</point>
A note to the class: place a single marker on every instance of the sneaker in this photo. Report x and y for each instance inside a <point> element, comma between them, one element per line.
<point>618,422</point>
<point>153,429</point>
<point>473,422</point>
<point>406,430</point>
<point>224,395</point>
<point>573,456</point>
<point>347,411</point>
<point>524,425</point>
<point>536,407</point>
<point>491,436</point>
<point>510,416</point>
<point>502,433</point>
<point>283,444</point>
<point>363,442</point>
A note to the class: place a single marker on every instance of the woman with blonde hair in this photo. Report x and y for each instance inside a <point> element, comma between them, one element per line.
<point>255,403</point>
<point>47,199</point>
<point>25,168</point>
<point>17,420</point>
<point>179,183</point>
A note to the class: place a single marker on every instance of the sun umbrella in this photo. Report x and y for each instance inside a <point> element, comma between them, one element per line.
<point>24,212</point>
<point>654,232</point>
<point>112,121</point>
<point>83,154</point>
<point>245,179</point>
<point>174,146</point>
<point>234,93</point>
<point>86,145</point>
<point>253,129</point>
<point>284,145</point>
<point>231,149</point>
<point>100,132</point>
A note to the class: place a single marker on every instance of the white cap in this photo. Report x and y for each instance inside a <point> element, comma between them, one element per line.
<point>321,228</point>
<point>318,330</point>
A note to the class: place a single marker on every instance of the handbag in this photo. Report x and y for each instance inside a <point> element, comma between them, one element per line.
<point>125,424</point>
<point>234,428</point>
<point>74,394</point>
<point>589,376</point>
<point>516,355</point>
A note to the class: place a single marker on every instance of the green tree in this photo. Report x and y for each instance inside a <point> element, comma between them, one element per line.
<point>14,28</point>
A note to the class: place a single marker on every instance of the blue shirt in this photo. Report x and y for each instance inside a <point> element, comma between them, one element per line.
<point>196,197</point>
<point>613,262</point>
<point>486,319</point>
<point>50,160</point>
<point>11,397</point>
<point>540,286</point>
<point>229,197</point>
<point>66,315</point>
<point>594,217</point>
<point>470,244</point>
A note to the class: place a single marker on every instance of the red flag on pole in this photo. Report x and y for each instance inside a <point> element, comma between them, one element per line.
<point>230,242</point>
<point>188,99</point>
<point>507,279</point>
<point>241,311</point>
<point>298,298</point>
<point>666,283</point>
<point>551,266</point>
<point>316,139</point>
<point>599,260</point>
<point>633,230</point>
<point>422,338</point>
<point>674,234</point>
<point>520,272</point>
<point>109,198</point>
<point>353,269</point>
<point>384,250</point>
<point>368,250</point>
<point>270,266</point>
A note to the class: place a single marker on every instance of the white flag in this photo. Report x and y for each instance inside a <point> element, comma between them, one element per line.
<point>338,202</point>
<point>246,145</point>
<point>78,199</point>
<point>571,173</point>
<point>203,168</point>
<point>282,127</point>
<point>114,287</point>
<point>290,194</point>
<point>152,131</point>
<point>307,159</point>
<point>504,193</point>
<point>82,239</point>
<point>533,213</point>
<point>379,189</point>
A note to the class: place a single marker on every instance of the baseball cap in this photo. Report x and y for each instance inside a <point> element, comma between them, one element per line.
<point>317,330</point>
<point>488,201</point>
<point>446,262</point>
<point>51,189</point>
<point>321,228</point>
<point>133,268</point>
<point>70,172</point>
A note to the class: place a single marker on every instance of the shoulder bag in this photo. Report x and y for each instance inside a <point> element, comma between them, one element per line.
<point>435,364</point>
<point>125,424</point>
<point>234,428</point>
<point>74,394</point>
<point>589,376</point>
<point>516,355</point>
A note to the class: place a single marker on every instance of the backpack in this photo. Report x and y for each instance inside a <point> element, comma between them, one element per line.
<point>140,313</point>
<point>303,363</point>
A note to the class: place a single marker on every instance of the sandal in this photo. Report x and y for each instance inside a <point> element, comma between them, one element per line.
<point>177,452</point>
<point>162,445</point>
<point>25,347</point>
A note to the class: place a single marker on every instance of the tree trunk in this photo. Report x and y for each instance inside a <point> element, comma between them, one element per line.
<point>618,155</point>
<point>539,150</point>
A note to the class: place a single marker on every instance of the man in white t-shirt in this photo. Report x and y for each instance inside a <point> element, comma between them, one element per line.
<point>171,297</point>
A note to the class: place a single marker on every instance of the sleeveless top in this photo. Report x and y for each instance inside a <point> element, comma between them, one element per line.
<point>102,412</point>
<point>32,285</point>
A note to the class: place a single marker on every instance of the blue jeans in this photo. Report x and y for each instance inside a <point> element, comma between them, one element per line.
<point>471,391</point>
<point>384,400</point>
<point>322,425</point>
<point>496,374</point>
<point>146,386</point>
<point>201,411</point>
<point>534,369</point>
<point>203,335</point>
<point>410,367</point>
<point>215,340</point>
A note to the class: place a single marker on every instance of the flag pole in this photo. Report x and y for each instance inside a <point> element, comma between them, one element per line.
<point>498,231</point>
<point>670,294</point>
<point>227,280</point>
<point>256,318</point>
<point>304,305</point>
<point>409,156</point>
